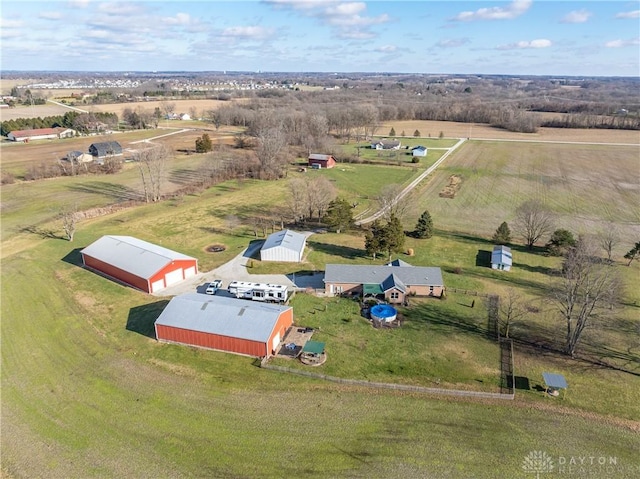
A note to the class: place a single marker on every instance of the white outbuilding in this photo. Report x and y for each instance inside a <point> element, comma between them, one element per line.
<point>285,245</point>
<point>501,258</point>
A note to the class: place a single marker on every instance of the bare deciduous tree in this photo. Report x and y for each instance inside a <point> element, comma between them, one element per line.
<point>151,164</point>
<point>533,220</point>
<point>168,108</point>
<point>608,238</point>
<point>69,218</point>
<point>297,199</point>
<point>587,288</point>
<point>272,152</point>
<point>391,202</point>
<point>320,192</point>
<point>512,309</point>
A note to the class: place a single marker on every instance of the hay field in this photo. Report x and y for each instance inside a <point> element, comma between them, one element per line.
<point>584,185</point>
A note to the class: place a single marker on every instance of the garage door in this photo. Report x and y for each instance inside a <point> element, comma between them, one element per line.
<point>157,285</point>
<point>173,277</point>
<point>189,272</point>
<point>276,341</point>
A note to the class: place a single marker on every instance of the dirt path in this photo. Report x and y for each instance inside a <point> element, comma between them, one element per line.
<point>413,184</point>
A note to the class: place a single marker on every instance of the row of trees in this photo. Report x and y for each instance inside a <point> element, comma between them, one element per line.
<point>82,122</point>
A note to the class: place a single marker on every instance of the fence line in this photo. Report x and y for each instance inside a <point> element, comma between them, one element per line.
<point>397,387</point>
<point>507,374</point>
<point>468,292</point>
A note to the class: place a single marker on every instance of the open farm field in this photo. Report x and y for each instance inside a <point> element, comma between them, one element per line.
<point>201,107</point>
<point>17,157</point>
<point>88,392</point>
<point>35,111</point>
<point>452,129</point>
<point>586,186</point>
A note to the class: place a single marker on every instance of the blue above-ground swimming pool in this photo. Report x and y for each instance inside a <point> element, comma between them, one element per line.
<point>383,312</point>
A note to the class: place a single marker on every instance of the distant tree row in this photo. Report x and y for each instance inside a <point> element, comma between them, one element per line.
<point>82,122</point>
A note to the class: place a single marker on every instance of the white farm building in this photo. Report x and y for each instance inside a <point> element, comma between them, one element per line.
<point>285,245</point>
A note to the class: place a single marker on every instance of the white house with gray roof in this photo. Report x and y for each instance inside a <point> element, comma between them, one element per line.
<point>285,245</point>
<point>393,281</point>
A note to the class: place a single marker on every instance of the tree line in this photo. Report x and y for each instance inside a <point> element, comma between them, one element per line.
<point>81,122</point>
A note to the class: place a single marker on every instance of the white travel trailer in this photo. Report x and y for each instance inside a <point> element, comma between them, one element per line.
<point>269,293</point>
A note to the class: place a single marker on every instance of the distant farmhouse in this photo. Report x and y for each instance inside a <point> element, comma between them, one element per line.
<point>41,134</point>
<point>78,157</point>
<point>321,161</point>
<point>394,281</point>
<point>105,149</point>
<point>285,245</point>
<point>419,151</point>
<point>501,258</point>
<point>386,145</point>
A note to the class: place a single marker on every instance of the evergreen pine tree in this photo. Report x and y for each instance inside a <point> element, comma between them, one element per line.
<point>502,235</point>
<point>392,132</point>
<point>424,227</point>
<point>394,236</point>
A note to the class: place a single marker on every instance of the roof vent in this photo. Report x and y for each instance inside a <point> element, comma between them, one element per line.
<point>241,312</point>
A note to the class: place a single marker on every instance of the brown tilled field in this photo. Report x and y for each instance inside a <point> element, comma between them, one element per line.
<point>475,130</point>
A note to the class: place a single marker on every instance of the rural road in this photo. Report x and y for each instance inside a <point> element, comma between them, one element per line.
<point>413,184</point>
<point>67,106</point>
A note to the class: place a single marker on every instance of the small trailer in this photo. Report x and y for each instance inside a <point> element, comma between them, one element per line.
<point>269,293</point>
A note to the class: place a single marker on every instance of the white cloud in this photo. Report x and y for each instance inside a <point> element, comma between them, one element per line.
<point>513,10</point>
<point>79,3</point>
<point>247,33</point>
<point>387,49</point>
<point>50,15</point>
<point>452,42</point>
<point>622,43</point>
<point>178,19</point>
<point>540,43</point>
<point>4,23</point>
<point>352,8</point>
<point>120,8</point>
<point>349,19</point>
<point>299,4</point>
<point>631,14</point>
<point>356,35</point>
<point>576,16</point>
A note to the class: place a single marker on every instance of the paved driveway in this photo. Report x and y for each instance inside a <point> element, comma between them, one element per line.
<point>236,270</point>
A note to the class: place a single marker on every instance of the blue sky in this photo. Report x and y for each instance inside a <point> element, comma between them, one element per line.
<point>521,37</point>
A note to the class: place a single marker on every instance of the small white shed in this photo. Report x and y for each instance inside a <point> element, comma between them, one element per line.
<point>419,151</point>
<point>501,258</point>
<point>285,245</point>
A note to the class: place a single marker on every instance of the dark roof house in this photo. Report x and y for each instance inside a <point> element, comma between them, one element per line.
<point>105,149</point>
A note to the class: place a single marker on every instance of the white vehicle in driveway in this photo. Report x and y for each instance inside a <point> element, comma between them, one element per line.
<point>213,286</point>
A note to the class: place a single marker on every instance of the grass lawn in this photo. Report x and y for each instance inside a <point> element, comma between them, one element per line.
<point>422,352</point>
<point>88,392</point>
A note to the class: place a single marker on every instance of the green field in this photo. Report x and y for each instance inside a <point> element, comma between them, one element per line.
<point>87,392</point>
